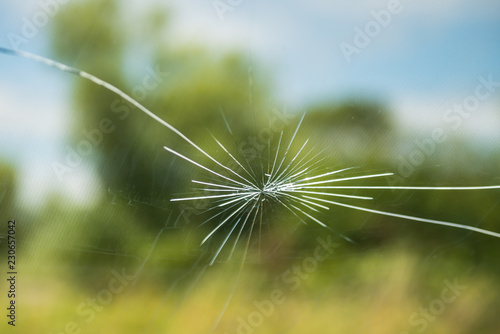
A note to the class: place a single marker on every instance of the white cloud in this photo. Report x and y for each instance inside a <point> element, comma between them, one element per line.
<point>421,115</point>
<point>421,9</point>
<point>30,124</point>
<point>38,184</point>
<point>197,23</point>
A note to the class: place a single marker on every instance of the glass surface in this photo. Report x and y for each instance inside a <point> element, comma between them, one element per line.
<point>293,166</point>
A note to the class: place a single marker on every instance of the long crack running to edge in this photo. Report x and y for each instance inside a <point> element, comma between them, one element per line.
<point>292,188</point>
<point>243,195</point>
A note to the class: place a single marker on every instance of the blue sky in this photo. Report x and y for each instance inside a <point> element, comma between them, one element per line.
<point>428,57</point>
<point>426,50</point>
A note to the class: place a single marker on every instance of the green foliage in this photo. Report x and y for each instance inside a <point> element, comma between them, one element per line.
<point>391,269</point>
<point>201,85</point>
<point>131,160</point>
<point>8,182</point>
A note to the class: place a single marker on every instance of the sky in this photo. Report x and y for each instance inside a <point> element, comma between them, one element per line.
<point>422,59</point>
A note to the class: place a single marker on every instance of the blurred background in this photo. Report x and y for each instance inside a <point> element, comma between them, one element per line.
<point>405,87</point>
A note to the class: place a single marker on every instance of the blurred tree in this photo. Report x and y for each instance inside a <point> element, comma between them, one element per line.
<point>354,132</point>
<point>187,86</point>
